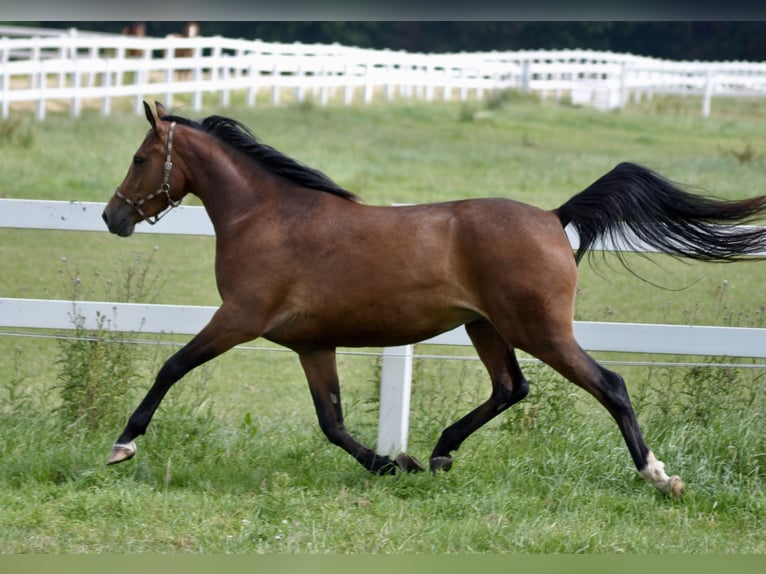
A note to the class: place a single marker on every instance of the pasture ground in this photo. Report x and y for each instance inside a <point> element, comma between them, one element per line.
<point>234,461</point>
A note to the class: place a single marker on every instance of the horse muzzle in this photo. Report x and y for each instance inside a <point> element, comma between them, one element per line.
<point>119,220</point>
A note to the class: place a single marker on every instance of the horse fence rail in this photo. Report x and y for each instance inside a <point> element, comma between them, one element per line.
<point>83,68</point>
<point>396,362</point>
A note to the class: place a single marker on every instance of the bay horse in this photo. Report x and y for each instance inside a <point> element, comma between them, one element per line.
<point>137,29</point>
<point>191,30</point>
<point>304,263</point>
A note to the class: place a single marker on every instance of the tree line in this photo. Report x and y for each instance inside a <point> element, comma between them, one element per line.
<point>675,40</point>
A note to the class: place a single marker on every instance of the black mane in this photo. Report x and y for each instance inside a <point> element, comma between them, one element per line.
<point>240,137</point>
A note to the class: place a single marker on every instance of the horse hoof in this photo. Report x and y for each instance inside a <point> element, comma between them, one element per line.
<point>441,463</point>
<point>675,486</point>
<point>122,452</point>
<point>408,463</point>
<point>384,467</point>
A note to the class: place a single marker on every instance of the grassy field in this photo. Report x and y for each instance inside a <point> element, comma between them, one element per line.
<point>234,461</point>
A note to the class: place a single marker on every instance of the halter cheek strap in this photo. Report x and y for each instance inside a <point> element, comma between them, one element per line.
<point>163,190</point>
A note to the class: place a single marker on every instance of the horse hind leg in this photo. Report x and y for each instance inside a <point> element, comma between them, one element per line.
<point>608,387</point>
<point>321,372</point>
<point>508,387</point>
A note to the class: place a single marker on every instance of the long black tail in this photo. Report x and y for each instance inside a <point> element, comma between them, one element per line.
<point>632,204</point>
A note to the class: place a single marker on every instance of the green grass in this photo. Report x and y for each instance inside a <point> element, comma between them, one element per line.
<point>234,460</point>
<point>552,477</point>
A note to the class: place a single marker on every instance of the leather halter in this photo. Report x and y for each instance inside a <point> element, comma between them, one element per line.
<point>163,190</point>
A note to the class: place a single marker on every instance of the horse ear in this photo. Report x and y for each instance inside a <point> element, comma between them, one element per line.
<point>150,116</point>
<point>160,109</point>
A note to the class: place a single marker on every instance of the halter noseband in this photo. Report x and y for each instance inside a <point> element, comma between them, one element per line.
<point>164,188</point>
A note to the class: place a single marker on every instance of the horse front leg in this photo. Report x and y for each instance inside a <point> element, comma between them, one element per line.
<point>321,373</point>
<point>215,338</point>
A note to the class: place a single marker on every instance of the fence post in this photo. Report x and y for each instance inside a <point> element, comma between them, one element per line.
<point>276,85</point>
<point>394,413</point>
<point>197,75</point>
<point>141,79</point>
<point>42,105</point>
<point>252,85</point>
<point>169,76</point>
<point>350,87</point>
<point>623,85</point>
<point>5,88</point>
<point>369,85</point>
<point>106,102</point>
<point>526,77</point>
<point>76,105</point>
<point>708,93</point>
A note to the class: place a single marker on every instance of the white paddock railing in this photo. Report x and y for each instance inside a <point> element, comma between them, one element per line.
<point>397,362</point>
<point>79,68</point>
<point>88,69</point>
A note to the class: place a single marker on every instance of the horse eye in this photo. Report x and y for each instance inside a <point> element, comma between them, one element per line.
<point>137,160</point>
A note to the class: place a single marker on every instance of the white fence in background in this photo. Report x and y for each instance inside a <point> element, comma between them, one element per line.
<point>82,69</point>
<point>396,361</point>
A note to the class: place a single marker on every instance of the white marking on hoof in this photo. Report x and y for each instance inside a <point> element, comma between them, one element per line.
<point>654,472</point>
<point>675,486</point>
<point>121,452</point>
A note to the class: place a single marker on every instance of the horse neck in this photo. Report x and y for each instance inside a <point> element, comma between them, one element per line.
<point>228,187</point>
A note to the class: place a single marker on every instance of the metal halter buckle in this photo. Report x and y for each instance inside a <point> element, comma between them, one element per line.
<point>164,188</point>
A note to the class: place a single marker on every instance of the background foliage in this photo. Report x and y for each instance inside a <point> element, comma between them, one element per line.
<point>678,40</point>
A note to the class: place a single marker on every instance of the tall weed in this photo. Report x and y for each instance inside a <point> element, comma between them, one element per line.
<point>97,369</point>
<point>100,376</point>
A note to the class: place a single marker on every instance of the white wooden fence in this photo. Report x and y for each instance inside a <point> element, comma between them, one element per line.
<point>86,69</point>
<point>396,361</point>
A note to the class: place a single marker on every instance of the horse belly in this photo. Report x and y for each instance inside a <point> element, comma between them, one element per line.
<point>373,322</point>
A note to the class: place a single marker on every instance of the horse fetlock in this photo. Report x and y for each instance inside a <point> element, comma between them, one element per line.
<point>122,452</point>
<point>382,466</point>
<point>654,472</point>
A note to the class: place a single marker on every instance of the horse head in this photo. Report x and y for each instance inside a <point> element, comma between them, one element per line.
<point>152,187</point>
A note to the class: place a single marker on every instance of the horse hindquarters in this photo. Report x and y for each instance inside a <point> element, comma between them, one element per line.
<point>542,325</point>
<point>528,294</point>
